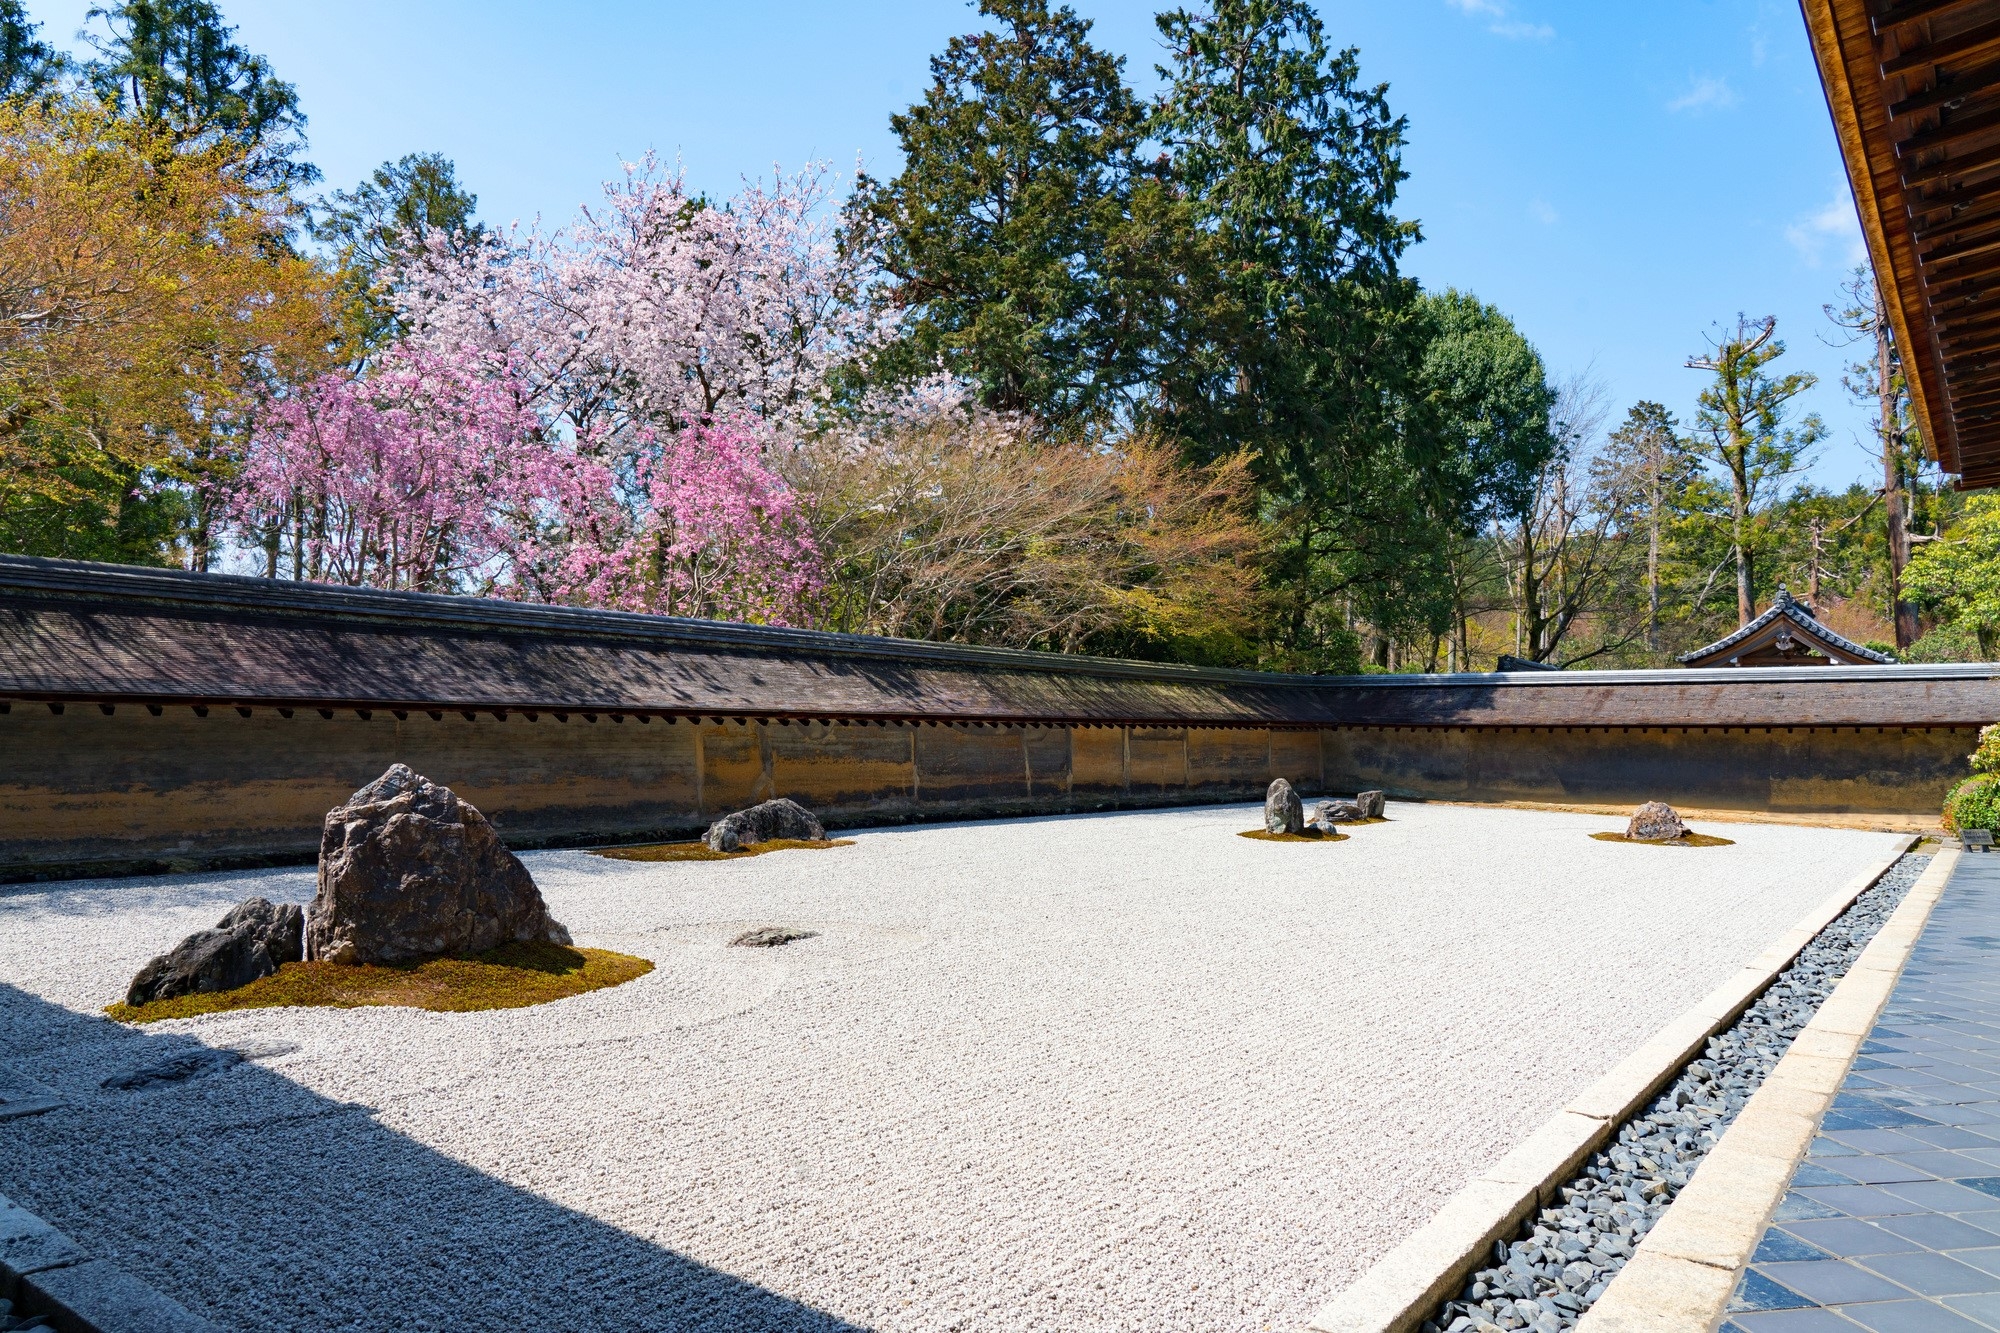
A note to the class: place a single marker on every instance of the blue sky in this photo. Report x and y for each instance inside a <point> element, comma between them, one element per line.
<point>1618,177</point>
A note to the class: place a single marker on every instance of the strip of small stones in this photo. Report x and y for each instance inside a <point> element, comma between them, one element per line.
<point>10,1321</point>
<point>1547,1278</point>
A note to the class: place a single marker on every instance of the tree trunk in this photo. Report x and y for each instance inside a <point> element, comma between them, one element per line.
<point>1656,464</point>
<point>1900,608</point>
<point>1739,510</point>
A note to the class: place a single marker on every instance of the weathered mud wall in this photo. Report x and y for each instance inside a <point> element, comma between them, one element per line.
<point>90,791</point>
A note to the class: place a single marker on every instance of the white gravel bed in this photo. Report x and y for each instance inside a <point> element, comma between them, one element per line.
<point>1093,1073</point>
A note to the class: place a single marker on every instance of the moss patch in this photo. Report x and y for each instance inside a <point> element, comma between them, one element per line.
<point>512,976</point>
<point>1310,835</point>
<point>1691,840</point>
<point>698,851</point>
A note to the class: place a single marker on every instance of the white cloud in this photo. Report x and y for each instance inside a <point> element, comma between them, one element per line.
<point>1541,211</point>
<point>1500,20</point>
<point>1831,230</point>
<point>1706,93</point>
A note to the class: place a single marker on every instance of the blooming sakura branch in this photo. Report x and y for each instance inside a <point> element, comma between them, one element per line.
<point>432,474</point>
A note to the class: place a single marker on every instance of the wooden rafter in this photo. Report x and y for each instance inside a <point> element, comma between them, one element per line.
<point>1914,91</point>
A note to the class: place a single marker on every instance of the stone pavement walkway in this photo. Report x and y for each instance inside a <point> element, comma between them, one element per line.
<point>1892,1223</point>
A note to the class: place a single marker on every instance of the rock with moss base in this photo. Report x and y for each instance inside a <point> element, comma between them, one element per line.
<point>1655,821</point>
<point>253,940</point>
<point>1283,811</point>
<point>766,822</point>
<point>408,871</point>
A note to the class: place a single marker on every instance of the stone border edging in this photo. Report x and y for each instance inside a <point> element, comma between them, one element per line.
<point>1406,1285</point>
<point>46,1273</point>
<point>1680,1278</point>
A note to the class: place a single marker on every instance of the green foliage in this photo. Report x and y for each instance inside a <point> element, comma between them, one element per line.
<point>1959,577</point>
<point>1974,803</point>
<point>27,63</point>
<point>175,64</point>
<point>1745,426</point>
<point>1985,757</point>
<point>1482,407</point>
<point>1017,166</point>
<point>122,516</point>
<point>387,220</point>
<point>1946,643</point>
<point>1290,331</point>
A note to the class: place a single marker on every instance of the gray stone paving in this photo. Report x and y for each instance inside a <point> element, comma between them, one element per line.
<point>1892,1223</point>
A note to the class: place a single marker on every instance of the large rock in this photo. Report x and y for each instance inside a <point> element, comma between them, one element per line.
<point>1329,813</point>
<point>1655,821</point>
<point>781,818</point>
<point>1372,804</point>
<point>252,941</point>
<point>407,871</point>
<point>1283,811</point>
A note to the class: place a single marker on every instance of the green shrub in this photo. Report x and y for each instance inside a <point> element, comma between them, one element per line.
<point>1986,759</point>
<point>1974,803</point>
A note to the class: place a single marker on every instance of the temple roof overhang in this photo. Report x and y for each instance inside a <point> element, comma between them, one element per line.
<point>1914,88</point>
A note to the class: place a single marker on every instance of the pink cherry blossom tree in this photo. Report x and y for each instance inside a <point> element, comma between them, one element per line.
<point>408,478</point>
<point>714,533</point>
<point>659,307</point>
<point>433,474</point>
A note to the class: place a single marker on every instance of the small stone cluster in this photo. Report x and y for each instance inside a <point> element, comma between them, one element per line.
<point>1546,1279</point>
<point>1284,812</point>
<point>10,1322</point>
<point>407,871</point>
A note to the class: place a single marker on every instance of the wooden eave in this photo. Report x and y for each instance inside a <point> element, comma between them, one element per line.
<point>1914,89</point>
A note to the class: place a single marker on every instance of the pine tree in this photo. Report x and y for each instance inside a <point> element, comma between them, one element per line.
<point>1742,425</point>
<point>1017,167</point>
<point>1291,334</point>
<point>387,220</point>
<point>175,65</point>
<point>1650,448</point>
<point>27,64</point>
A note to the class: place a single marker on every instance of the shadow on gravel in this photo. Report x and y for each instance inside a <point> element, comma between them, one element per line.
<point>263,1205</point>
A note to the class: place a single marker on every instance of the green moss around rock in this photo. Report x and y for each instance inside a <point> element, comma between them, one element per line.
<point>697,851</point>
<point>512,976</point>
<point>1691,840</point>
<point>1310,835</point>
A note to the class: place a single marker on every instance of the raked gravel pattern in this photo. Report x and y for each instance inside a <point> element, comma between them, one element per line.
<point>1080,1074</point>
<point>1544,1280</point>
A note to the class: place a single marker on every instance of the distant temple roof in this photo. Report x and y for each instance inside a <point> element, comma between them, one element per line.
<point>1785,635</point>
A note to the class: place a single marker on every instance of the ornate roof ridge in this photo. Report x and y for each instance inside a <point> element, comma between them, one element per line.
<point>1799,613</point>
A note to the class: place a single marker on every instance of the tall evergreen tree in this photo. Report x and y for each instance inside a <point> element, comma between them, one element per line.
<point>1017,167</point>
<point>387,220</point>
<point>176,65</point>
<point>27,63</point>
<point>1290,335</point>
<point>1649,447</point>
<point>1743,427</point>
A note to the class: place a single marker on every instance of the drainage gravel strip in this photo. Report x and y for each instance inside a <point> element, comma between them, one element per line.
<point>1562,1262</point>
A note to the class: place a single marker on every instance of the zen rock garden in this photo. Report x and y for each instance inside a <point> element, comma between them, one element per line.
<point>821,1091</point>
<point>412,874</point>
